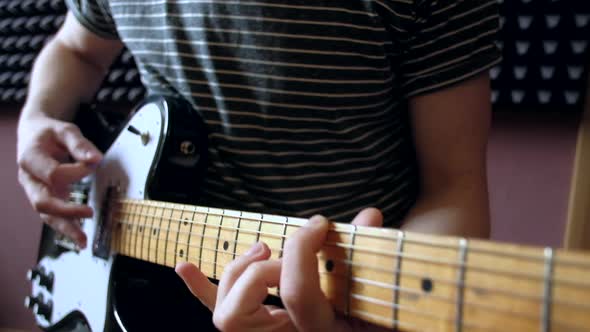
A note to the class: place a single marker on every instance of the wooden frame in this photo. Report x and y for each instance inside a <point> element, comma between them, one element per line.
<point>577,232</point>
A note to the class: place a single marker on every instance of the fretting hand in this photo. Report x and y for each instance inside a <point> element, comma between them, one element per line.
<point>237,303</point>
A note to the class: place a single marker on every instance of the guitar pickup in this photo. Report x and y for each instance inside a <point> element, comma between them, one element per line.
<point>79,193</point>
<point>101,246</point>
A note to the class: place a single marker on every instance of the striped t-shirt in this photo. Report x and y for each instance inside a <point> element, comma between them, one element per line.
<point>305,100</point>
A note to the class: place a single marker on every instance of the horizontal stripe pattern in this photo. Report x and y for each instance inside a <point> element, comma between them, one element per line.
<point>305,101</point>
<point>95,16</point>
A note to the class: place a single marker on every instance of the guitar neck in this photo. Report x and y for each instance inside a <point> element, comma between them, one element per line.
<point>405,281</point>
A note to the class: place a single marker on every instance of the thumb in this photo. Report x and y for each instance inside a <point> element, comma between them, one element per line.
<point>80,148</point>
<point>371,217</point>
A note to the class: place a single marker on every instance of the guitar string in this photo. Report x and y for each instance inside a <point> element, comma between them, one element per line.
<point>452,283</point>
<point>421,258</point>
<point>374,300</point>
<point>173,206</point>
<point>406,256</point>
<point>404,290</point>
<point>347,262</point>
<point>177,207</point>
<point>364,299</point>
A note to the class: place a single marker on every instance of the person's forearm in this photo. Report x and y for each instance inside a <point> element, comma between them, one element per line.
<point>61,79</point>
<point>461,209</point>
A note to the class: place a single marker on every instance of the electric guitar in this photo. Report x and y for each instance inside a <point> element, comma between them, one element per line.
<point>147,219</point>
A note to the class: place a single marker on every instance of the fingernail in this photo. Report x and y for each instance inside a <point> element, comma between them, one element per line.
<point>179,266</point>
<point>256,248</point>
<point>316,221</point>
<point>91,154</point>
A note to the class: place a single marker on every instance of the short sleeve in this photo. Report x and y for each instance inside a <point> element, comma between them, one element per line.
<point>95,16</point>
<point>449,41</point>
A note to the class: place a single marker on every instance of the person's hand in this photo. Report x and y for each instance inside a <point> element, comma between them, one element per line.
<point>44,152</point>
<point>237,304</point>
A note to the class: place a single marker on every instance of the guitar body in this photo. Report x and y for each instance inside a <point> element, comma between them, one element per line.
<point>144,193</point>
<point>159,153</point>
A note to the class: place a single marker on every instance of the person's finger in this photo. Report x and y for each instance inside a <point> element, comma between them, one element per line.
<point>43,201</point>
<point>38,163</point>
<point>259,251</point>
<point>300,283</point>
<point>68,227</point>
<point>80,148</point>
<point>244,302</point>
<point>198,284</point>
<point>66,174</point>
<point>369,217</point>
<point>51,172</point>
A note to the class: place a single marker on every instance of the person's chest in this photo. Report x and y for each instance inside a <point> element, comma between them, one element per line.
<point>322,66</point>
<point>364,32</point>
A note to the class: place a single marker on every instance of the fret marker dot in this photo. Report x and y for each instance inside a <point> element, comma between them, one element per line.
<point>427,285</point>
<point>185,222</point>
<point>329,265</point>
<point>155,230</point>
<point>181,253</point>
<point>140,229</point>
<point>225,245</point>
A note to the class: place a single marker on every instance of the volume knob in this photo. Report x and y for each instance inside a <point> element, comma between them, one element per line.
<point>33,273</point>
<point>30,301</point>
<point>43,309</point>
<point>45,279</point>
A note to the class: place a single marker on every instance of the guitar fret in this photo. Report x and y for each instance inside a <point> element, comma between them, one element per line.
<point>167,236</point>
<point>259,229</point>
<point>140,238</point>
<point>137,233</point>
<point>237,232</point>
<point>190,232</point>
<point>284,236</point>
<point>547,291</point>
<point>147,232</point>
<point>158,236</point>
<point>349,271</point>
<point>179,221</point>
<point>130,228</point>
<point>131,234</point>
<point>217,246</point>
<point>203,238</point>
<point>142,225</point>
<point>463,247</point>
<point>397,269</point>
<point>149,235</point>
<point>162,236</point>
